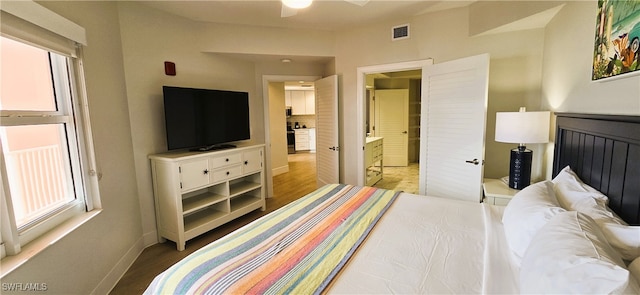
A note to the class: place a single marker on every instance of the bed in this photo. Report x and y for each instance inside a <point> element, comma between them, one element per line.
<point>345,239</point>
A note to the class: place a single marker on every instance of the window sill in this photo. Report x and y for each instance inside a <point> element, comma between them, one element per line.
<point>35,247</point>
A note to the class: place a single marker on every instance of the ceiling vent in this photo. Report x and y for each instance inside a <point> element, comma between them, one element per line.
<point>400,32</point>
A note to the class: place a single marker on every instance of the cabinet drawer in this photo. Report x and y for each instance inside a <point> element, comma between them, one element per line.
<point>227,173</point>
<point>302,138</point>
<point>302,146</point>
<point>226,160</point>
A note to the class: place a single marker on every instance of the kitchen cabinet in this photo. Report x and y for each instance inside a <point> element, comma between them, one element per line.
<point>195,192</point>
<point>305,139</point>
<point>310,102</point>
<point>302,101</point>
<point>287,98</point>
<point>312,139</point>
<point>302,139</point>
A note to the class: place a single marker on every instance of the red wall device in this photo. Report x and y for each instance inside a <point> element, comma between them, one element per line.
<point>169,68</point>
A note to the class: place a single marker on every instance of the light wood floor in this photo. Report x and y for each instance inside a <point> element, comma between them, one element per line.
<point>287,187</point>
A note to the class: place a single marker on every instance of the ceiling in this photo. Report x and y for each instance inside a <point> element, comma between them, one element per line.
<point>331,15</point>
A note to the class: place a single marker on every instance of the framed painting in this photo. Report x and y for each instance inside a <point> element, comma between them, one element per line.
<point>617,39</point>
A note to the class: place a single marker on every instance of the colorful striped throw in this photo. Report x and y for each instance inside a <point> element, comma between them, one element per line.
<point>295,250</point>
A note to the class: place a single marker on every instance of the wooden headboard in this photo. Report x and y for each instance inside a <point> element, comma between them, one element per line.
<point>604,150</point>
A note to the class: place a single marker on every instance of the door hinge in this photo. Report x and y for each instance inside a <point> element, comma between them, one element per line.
<point>180,184</point>
<point>179,169</point>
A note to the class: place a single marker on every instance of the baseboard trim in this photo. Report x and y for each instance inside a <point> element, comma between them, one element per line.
<point>117,272</point>
<point>280,170</point>
<point>150,238</point>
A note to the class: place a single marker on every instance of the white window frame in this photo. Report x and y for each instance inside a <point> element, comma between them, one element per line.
<point>51,32</point>
<point>64,115</point>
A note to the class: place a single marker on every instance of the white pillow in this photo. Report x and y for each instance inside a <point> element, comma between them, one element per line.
<point>572,183</point>
<point>574,195</point>
<point>575,198</point>
<point>570,255</point>
<point>624,238</point>
<point>528,211</point>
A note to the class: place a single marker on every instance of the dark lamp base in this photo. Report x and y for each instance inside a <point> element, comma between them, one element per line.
<point>520,168</point>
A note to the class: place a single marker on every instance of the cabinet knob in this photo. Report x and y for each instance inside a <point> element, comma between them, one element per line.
<point>228,172</point>
<point>206,171</point>
<point>246,162</point>
<point>227,159</point>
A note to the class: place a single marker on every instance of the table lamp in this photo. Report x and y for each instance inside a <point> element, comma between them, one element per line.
<point>521,127</point>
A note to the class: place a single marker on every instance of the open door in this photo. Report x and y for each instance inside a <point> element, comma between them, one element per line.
<point>327,132</point>
<point>454,111</point>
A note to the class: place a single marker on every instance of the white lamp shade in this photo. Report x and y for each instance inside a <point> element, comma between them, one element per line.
<point>522,127</point>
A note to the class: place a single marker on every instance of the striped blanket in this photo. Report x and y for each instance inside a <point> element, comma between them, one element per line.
<point>297,249</point>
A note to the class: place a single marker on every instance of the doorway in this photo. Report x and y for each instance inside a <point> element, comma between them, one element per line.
<point>299,98</point>
<point>275,123</point>
<point>364,112</point>
<point>447,170</point>
<point>393,114</point>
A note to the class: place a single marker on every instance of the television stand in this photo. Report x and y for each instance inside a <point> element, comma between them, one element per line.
<point>214,147</point>
<point>197,192</point>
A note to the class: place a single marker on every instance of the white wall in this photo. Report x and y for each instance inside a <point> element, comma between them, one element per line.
<point>568,56</point>
<point>241,39</point>
<point>567,84</point>
<point>150,37</point>
<point>94,256</point>
<point>278,124</point>
<point>515,70</point>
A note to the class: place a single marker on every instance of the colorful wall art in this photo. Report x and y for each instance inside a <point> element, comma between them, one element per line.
<point>617,39</point>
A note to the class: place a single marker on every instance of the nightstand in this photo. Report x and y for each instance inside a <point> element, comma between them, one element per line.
<point>496,192</point>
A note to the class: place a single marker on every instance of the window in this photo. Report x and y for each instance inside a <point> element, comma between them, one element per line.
<point>46,153</point>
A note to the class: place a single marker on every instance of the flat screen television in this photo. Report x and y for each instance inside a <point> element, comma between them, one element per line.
<point>205,119</point>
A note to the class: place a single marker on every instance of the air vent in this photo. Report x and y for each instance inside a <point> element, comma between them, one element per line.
<point>400,32</point>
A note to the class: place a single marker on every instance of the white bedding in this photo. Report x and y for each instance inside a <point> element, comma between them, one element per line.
<point>432,245</point>
<point>421,245</point>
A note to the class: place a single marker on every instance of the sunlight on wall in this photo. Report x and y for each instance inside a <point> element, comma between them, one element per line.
<point>556,94</point>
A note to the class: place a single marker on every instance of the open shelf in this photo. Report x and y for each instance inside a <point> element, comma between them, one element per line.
<point>198,202</point>
<point>241,186</point>
<point>243,201</point>
<point>202,217</point>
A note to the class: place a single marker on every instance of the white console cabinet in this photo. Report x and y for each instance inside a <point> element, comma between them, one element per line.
<point>195,192</point>
<point>373,160</point>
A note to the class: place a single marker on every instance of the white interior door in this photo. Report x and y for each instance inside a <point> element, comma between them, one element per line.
<point>454,111</point>
<point>392,123</point>
<point>327,133</point>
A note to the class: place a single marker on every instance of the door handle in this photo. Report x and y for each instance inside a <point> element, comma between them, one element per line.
<point>474,162</point>
<point>334,148</point>
<point>404,132</point>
